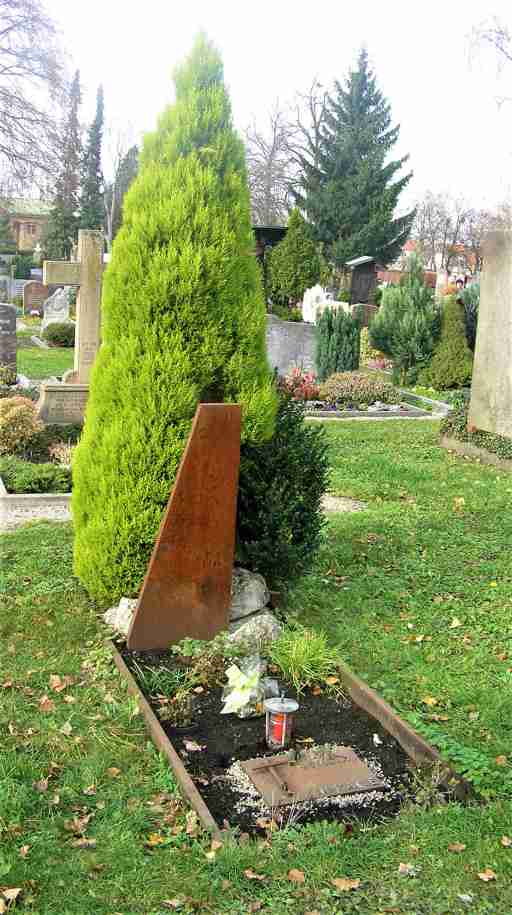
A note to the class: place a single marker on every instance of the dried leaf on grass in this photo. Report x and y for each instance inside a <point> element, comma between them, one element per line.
<point>83,842</point>
<point>114,772</point>
<point>506,841</point>
<point>251,875</point>
<point>46,704</point>
<point>192,747</point>
<point>487,875</point>
<point>296,876</point>
<point>457,847</point>
<point>344,884</point>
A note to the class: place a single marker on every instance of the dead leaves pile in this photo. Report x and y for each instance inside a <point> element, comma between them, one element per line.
<point>8,895</point>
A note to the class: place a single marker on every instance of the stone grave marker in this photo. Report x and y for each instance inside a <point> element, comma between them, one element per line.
<point>65,402</point>
<point>34,296</point>
<point>7,342</point>
<point>56,308</point>
<point>187,588</point>
<point>491,388</point>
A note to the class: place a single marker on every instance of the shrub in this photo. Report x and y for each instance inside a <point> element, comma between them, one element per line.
<point>344,294</point>
<point>294,264</point>
<point>40,445</point>
<point>452,363</point>
<point>7,375</point>
<point>62,453</point>
<point>22,264</point>
<point>282,482</point>
<point>304,656</point>
<point>300,385</point>
<point>60,333</point>
<point>367,354</point>
<point>456,425</point>
<point>18,422</point>
<point>407,324</point>
<point>470,297</point>
<point>337,343</point>
<point>18,391</point>
<point>354,389</point>
<point>23,477</point>
<point>183,322</point>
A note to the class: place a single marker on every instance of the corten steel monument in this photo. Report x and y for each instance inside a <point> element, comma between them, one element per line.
<point>187,588</point>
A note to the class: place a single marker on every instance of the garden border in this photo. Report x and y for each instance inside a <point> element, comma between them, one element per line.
<point>26,501</point>
<point>467,449</point>
<point>416,748</point>
<point>411,412</point>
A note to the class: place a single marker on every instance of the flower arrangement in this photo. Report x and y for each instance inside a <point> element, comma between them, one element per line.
<point>301,385</point>
<point>355,389</point>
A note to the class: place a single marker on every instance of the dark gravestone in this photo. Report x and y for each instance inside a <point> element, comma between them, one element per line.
<point>8,339</point>
<point>187,588</point>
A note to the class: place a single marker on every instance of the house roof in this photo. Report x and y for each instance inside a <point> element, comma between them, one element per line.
<point>25,206</point>
<point>356,261</point>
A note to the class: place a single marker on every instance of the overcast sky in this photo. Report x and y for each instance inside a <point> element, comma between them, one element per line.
<point>459,139</point>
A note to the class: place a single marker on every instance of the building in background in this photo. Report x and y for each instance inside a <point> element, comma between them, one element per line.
<point>28,220</point>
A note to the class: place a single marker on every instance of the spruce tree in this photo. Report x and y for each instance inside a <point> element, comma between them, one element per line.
<point>294,264</point>
<point>62,230</point>
<point>183,322</point>
<point>349,194</point>
<point>452,362</point>
<point>92,212</point>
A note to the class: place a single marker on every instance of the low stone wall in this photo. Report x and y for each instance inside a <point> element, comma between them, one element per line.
<point>290,344</point>
<point>466,449</point>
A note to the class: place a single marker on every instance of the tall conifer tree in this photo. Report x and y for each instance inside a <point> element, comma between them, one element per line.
<point>183,322</point>
<point>350,195</point>
<point>92,213</point>
<point>63,223</point>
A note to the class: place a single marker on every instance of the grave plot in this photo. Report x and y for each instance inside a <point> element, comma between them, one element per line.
<point>341,763</point>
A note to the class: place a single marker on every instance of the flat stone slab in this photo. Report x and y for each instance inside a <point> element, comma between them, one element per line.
<point>408,411</point>
<point>341,504</point>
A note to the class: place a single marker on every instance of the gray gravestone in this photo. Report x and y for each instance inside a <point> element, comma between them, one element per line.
<point>56,308</point>
<point>8,338</point>
<point>491,388</point>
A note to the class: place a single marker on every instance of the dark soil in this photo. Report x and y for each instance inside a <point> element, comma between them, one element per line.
<point>227,739</point>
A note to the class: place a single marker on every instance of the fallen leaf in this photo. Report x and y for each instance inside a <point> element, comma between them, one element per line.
<point>331,681</point>
<point>474,716</point>
<point>249,873</point>
<point>173,903</point>
<point>436,717</point>
<point>501,760</point>
<point>344,884</point>
<point>113,772</point>
<point>457,847</point>
<point>46,704</point>
<point>90,790</point>
<point>429,700</point>
<point>83,842</point>
<point>192,747</point>
<point>66,729</point>
<point>7,684</point>
<point>210,855</point>
<point>407,870</point>
<point>296,876</point>
<point>506,841</point>
<point>24,850</point>
<point>216,845</point>
<point>255,906</point>
<point>154,839</point>
<point>465,897</point>
<point>316,691</point>
<point>192,823</point>
<point>455,623</point>
<point>11,894</point>
<point>487,875</point>
<point>199,689</point>
<point>41,786</point>
<point>77,825</point>
<point>69,699</point>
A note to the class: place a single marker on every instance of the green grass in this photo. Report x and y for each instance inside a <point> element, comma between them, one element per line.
<point>409,566</point>
<point>40,363</point>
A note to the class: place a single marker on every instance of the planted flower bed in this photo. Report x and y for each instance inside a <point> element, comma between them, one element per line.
<point>349,395</point>
<point>337,714</point>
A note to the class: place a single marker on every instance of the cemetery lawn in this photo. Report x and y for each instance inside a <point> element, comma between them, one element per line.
<point>39,363</point>
<point>415,591</point>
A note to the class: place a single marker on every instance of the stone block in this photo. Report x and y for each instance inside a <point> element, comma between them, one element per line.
<point>62,403</point>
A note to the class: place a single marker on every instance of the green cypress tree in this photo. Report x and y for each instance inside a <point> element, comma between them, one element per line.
<point>7,240</point>
<point>62,230</point>
<point>294,264</point>
<point>337,343</point>
<point>452,362</point>
<point>92,211</point>
<point>183,322</point>
<point>349,193</point>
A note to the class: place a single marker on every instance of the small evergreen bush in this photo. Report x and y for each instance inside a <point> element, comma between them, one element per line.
<point>354,389</point>
<point>60,334</point>
<point>282,481</point>
<point>337,343</point>
<point>407,324</point>
<point>470,297</point>
<point>39,446</point>
<point>23,477</point>
<point>18,423</point>
<point>456,425</point>
<point>367,353</point>
<point>294,264</point>
<point>183,322</point>
<point>452,363</point>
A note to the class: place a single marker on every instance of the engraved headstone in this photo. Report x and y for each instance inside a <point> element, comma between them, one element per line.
<point>187,588</point>
<point>34,296</point>
<point>8,341</point>
<point>491,388</point>
<point>87,273</point>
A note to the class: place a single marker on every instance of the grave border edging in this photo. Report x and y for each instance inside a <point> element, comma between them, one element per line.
<point>415,747</point>
<point>467,449</point>
<point>27,500</point>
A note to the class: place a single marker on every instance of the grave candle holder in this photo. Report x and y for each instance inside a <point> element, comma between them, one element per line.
<point>279,722</point>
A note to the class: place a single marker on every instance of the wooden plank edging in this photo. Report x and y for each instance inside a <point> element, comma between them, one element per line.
<point>163,744</point>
